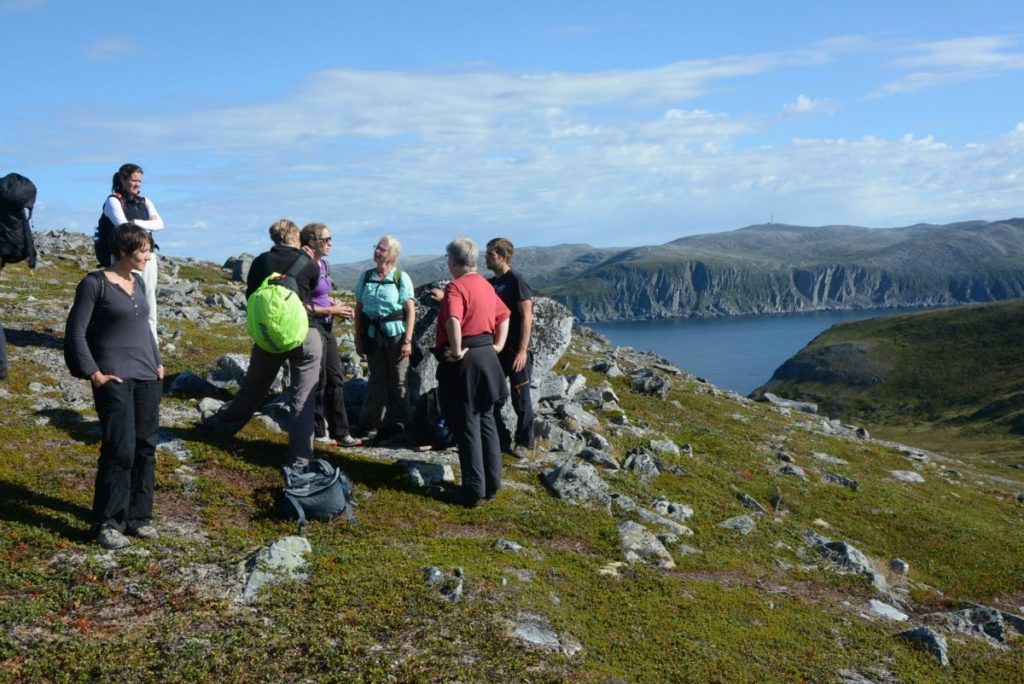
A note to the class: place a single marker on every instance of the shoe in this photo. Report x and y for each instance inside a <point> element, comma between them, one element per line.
<point>326,441</point>
<point>145,532</point>
<point>457,498</point>
<point>348,441</point>
<point>109,538</point>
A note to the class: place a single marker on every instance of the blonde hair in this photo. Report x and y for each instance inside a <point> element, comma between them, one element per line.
<point>283,231</point>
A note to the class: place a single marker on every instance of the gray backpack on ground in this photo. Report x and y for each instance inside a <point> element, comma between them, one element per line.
<point>320,492</point>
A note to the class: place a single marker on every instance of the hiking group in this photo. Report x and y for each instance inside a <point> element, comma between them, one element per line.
<point>111,339</point>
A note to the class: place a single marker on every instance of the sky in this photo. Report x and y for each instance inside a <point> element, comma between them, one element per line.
<point>616,124</point>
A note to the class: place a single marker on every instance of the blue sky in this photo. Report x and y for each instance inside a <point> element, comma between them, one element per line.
<point>610,123</point>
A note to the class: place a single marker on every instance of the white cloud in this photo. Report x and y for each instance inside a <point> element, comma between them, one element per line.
<point>803,104</point>
<point>114,47</point>
<point>940,63</point>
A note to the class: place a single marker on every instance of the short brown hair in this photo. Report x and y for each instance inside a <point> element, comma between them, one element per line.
<point>128,238</point>
<point>502,247</point>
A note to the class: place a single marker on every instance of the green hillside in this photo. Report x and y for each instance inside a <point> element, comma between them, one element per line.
<point>726,606</point>
<point>958,370</point>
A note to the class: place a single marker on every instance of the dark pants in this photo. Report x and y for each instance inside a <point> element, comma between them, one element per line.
<point>129,415</point>
<point>3,354</point>
<point>522,403</point>
<point>479,454</point>
<point>330,390</point>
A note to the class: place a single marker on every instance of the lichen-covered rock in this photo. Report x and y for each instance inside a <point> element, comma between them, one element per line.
<point>578,482</point>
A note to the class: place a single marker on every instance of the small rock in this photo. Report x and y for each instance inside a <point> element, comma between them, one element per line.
<point>907,476</point>
<point>664,446</point>
<point>743,524</point>
<point>928,640</point>
<point>794,470</point>
<point>876,607</point>
<point>899,566</point>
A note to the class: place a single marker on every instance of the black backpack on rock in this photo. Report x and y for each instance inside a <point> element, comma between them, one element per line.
<point>17,198</point>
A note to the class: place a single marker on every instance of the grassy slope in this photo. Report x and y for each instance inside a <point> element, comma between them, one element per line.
<point>754,608</point>
<point>957,373</point>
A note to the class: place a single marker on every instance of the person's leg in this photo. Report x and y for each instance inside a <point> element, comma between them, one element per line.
<point>334,390</point>
<point>523,406</point>
<point>490,454</point>
<point>3,354</point>
<point>471,461</point>
<point>397,416</point>
<point>147,424</point>
<point>263,369</point>
<point>305,363</point>
<point>376,389</point>
<point>115,408</point>
<point>321,411</point>
<point>149,277</point>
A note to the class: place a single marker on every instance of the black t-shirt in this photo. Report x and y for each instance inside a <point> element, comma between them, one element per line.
<point>512,289</point>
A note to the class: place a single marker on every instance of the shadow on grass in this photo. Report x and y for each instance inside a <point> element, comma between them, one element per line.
<point>23,505</point>
<point>73,424</point>
<point>31,338</point>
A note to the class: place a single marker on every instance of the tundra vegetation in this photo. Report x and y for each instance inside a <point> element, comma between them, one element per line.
<point>727,540</point>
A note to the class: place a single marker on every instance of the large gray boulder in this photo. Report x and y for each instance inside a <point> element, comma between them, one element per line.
<point>552,332</point>
<point>578,482</point>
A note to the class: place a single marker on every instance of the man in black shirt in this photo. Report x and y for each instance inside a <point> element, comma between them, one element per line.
<point>516,357</point>
<point>264,366</point>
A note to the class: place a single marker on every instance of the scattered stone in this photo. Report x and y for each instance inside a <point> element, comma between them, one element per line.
<point>750,502</point>
<point>794,470</point>
<point>424,474</point>
<point>829,458</point>
<point>853,559</point>
<point>596,440</point>
<point>648,381</point>
<point>577,482</point>
<point>664,446</point>
<point>640,545</point>
<point>508,545</point>
<point>285,559</point>
<point>188,383</point>
<point>641,462</point>
<point>803,406</point>
<point>977,621</point>
<point>899,566</point>
<point>784,457</point>
<point>907,476</point>
<point>537,631</point>
<point>884,610</point>
<point>743,524</point>
<point>927,640</point>
<point>838,479</point>
<point>599,458</point>
<point>679,511</point>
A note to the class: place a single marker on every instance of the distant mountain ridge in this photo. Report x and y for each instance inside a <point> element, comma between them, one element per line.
<point>771,268</point>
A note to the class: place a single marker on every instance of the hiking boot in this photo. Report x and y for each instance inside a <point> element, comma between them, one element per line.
<point>109,538</point>
<point>348,441</point>
<point>145,532</point>
<point>326,441</point>
<point>457,498</point>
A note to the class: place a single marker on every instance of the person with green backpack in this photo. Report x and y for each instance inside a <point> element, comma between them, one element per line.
<point>280,321</point>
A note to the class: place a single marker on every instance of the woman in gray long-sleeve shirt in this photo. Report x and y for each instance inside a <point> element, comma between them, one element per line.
<point>108,340</point>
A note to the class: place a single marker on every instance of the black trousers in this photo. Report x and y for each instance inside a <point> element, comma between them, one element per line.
<point>129,415</point>
<point>479,454</point>
<point>330,390</point>
<point>521,400</point>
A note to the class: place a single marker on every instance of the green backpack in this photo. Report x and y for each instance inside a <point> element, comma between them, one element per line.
<point>275,315</point>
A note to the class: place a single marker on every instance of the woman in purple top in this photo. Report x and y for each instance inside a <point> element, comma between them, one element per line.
<point>108,340</point>
<point>330,391</point>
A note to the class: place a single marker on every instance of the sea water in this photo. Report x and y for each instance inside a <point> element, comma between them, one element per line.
<point>739,353</point>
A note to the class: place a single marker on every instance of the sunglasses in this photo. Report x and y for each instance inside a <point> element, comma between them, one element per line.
<point>327,239</point>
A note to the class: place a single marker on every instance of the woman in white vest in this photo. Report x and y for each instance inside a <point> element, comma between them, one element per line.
<point>126,204</point>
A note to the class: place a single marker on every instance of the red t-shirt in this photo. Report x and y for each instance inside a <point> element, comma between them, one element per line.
<point>472,300</point>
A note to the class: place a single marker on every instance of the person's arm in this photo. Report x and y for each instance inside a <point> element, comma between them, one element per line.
<point>454,329</point>
<point>526,312</point>
<point>410,328</point>
<point>113,210</point>
<point>86,300</point>
<point>154,222</point>
<point>500,335</point>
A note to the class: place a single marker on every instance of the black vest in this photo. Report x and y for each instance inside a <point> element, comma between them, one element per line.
<point>134,209</point>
